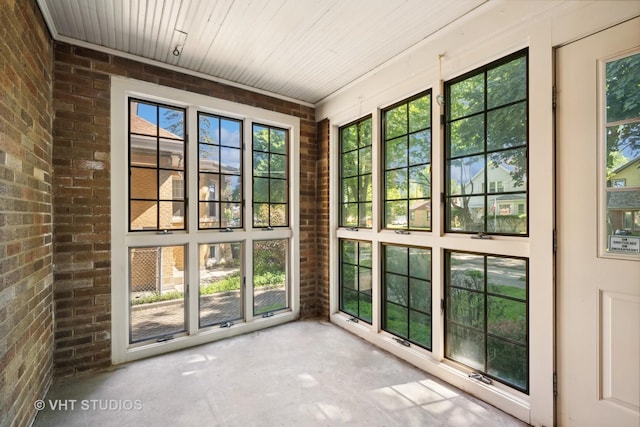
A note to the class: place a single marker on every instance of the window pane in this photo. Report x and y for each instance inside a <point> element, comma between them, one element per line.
<point>395,320</point>
<point>466,175</point>
<point>420,263</point>
<point>144,183</point>
<point>507,127</point>
<point>278,141</point>
<point>396,214</point>
<point>365,212</point>
<point>396,184</point>
<point>171,122</point>
<point>466,136</point>
<point>156,274</point>
<point>508,362</point>
<point>420,148</point>
<point>220,291</point>
<point>209,158</point>
<point>364,160</point>
<point>270,290</point>
<point>270,176</point>
<point>507,277</point>
<point>260,138</point>
<point>349,215</point>
<point>278,191</point>
<point>466,214</point>
<point>420,328</point>
<point>231,188</point>
<point>355,279</point>
<point>396,122</point>
<point>467,271</point>
<point>231,215</point>
<point>466,308</point>
<point>507,318</point>
<point>508,167</point>
<point>396,153</point>
<point>466,346</point>
<point>349,138</point>
<point>419,182</point>
<point>365,133</point>
<point>466,97</point>
<point>396,289</point>
<point>420,295</point>
<point>507,83</point>
<point>350,164</point>
<point>144,215</point>
<point>622,80</point>
<point>420,114</point>
<point>143,118</point>
<point>396,259</point>
<point>143,151</point>
<point>230,133</point>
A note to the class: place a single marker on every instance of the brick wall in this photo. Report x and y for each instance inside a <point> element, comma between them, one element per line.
<point>322,215</point>
<point>26,327</point>
<point>81,194</point>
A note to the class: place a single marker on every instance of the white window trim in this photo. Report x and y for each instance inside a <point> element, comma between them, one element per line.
<point>121,90</point>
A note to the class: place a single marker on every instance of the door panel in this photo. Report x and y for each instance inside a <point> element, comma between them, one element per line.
<point>598,292</point>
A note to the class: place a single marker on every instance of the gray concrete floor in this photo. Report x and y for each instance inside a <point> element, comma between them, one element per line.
<point>306,373</point>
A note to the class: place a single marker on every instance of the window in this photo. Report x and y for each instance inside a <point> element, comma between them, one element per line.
<point>487,315</point>
<point>270,283</point>
<point>355,174</point>
<point>486,141</point>
<point>157,152</point>
<point>622,169</point>
<point>407,164</point>
<point>355,279</point>
<point>270,176</point>
<point>407,293</point>
<point>220,172</point>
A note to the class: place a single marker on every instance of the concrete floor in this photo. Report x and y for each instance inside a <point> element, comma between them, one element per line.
<point>306,373</point>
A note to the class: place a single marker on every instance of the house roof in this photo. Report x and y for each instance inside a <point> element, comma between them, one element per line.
<point>623,199</point>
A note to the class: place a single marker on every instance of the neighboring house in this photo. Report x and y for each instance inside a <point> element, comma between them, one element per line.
<point>623,199</point>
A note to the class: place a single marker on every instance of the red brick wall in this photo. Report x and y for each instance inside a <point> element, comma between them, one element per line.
<point>26,277</point>
<point>81,194</point>
<point>323,217</point>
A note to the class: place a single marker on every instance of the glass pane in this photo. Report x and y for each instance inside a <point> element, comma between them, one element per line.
<point>208,129</point>
<point>278,141</point>
<point>269,276</point>
<point>144,118</point>
<point>466,175</point>
<point>261,190</point>
<point>349,276</point>
<point>420,295</point>
<point>467,97</point>
<point>230,160</point>
<point>260,164</point>
<point>508,170</point>
<point>420,328</point>
<point>364,279</point>
<point>420,263</point>
<point>420,182</point>
<point>420,214</point>
<point>396,320</point>
<point>507,127</point>
<point>278,189</point>
<point>260,138</point>
<point>396,184</point>
<point>278,215</point>
<point>209,158</point>
<point>365,160</point>
<point>507,318</point>
<point>396,122</point>
<point>171,122</point>
<point>466,307</point>
<point>230,133</point>
<point>420,113</point>
<point>396,153</point>
<point>507,83</point>
<point>420,148</point>
<point>467,271</point>
<point>349,215</point>
<point>170,181</point>
<point>622,83</point>
<point>396,289</point>
<point>365,307</point>
<point>231,215</point>
<point>507,213</point>
<point>349,251</point>
<point>466,136</point>
<point>156,292</point>
<point>507,362</point>
<point>396,259</point>
<point>231,188</point>
<point>507,276</point>
<point>350,164</point>
<point>466,214</point>
<point>366,188</point>
<point>144,183</point>
<point>144,215</point>
<point>396,214</point>
<point>365,255</point>
<point>278,165</point>
<point>220,291</point>
<point>465,345</point>
<point>365,213</point>
<point>209,216</point>
<point>350,189</point>
<point>260,214</point>
<point>209,187</point>
<point>365,133</point>
<point>349,138</point>
<point>143,151</point>
<point>349,302</point>
<point>167,219</point>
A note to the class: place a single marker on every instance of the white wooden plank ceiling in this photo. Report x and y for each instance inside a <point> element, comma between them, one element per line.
<point>299,49</point>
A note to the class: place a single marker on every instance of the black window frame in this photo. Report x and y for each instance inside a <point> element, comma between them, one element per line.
<point>447,197</point>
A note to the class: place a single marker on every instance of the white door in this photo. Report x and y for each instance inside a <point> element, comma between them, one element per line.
<point>598,223</point>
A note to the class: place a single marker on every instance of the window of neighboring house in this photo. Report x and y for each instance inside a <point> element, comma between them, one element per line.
<point>157,151</point>
<point>407,164</point>
<point>487,314</point>
<point>406,276</point>
<point>355,278</point>
<point>220,172</point>
<point>486,141</point>
<point>355,174</point>
<point>178,194</point>
<point>270,176</point>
